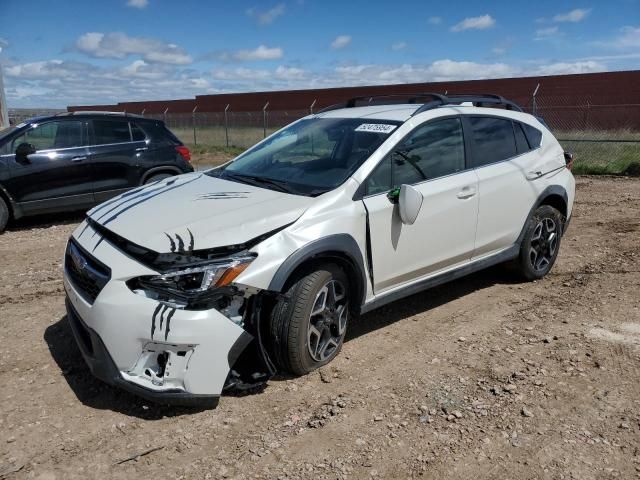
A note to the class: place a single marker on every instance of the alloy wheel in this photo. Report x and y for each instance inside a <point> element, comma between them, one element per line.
<point>544,243</point>
<point>328,321</point>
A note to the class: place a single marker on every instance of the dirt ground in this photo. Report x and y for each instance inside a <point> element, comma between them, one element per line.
<point>482,378</point>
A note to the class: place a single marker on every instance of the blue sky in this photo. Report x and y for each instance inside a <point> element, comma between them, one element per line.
<point>56,53</point>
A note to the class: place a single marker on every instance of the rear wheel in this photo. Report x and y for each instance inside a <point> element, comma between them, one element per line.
<point>308,325</point>
<point>157,178</point>
<point>4,215</point>
<point>541,243</point>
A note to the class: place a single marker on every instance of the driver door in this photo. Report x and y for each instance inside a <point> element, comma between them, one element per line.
<point>432,160</point>
<point>58,173</point>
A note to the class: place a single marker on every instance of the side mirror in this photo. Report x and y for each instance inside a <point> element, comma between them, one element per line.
<point>409,204</point>
<point>23,151</point>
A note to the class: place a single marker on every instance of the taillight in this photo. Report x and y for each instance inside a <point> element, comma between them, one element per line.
<point>568,159</point>
<point>184,151</point>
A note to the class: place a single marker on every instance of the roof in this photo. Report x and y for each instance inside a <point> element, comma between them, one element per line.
<point>398,113</point>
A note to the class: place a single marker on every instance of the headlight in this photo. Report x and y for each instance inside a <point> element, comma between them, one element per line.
<point>204,277</point>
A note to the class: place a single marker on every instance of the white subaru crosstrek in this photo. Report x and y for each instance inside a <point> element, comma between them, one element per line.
<point>181,289</point>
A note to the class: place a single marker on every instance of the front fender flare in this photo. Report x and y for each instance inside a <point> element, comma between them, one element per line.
<point>341,245</point>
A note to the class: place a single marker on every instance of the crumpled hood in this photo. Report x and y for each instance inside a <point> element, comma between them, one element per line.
<point>213,212</point>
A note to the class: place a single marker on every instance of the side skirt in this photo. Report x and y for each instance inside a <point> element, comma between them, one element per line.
<point>506,255</point>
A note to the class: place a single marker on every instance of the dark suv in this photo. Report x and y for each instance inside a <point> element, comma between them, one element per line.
<point>74,160</point>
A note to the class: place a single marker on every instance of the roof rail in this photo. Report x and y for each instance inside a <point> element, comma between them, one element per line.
<point>97,112</point>
<point>410,97</point>
<point>437,100</point>
<point>477,100</point>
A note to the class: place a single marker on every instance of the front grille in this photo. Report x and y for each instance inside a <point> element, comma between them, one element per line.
<point>87,274</point>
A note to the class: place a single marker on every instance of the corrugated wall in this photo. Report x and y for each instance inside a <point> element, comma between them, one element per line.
<point>559,91</point>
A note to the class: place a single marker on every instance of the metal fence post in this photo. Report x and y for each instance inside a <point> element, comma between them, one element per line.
<point>193,122</point>
<point>312,105</point>
<point>264,119</point>
<point>534,105</point>
<point>226,125</point>
<point>164,115</point>
<point>142,112</point>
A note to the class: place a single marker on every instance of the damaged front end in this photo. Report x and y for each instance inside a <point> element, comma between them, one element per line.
<point>181,330</point>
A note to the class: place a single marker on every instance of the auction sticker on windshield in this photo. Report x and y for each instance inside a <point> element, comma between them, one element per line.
<point>376,128</point>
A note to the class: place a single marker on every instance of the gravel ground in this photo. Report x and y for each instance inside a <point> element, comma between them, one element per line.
<point>482,378</point>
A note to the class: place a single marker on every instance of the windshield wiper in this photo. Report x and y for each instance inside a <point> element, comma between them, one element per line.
<point>258,181</point>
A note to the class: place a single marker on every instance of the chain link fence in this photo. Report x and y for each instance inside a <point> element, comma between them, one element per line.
<point>603,138</point>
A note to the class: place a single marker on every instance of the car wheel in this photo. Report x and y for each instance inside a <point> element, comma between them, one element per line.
<point>308,324</point>
<point>157,178</point>
<point>4,215</point>
<point>541,243</point>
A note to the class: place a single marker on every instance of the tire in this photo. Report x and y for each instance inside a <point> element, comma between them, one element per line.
<point>4,215</point>
<point>157,178</point>
<point>300,341</point>
<point>541,243</point>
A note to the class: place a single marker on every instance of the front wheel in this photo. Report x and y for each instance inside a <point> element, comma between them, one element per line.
<point>308,324</point>
<point>541,243</point>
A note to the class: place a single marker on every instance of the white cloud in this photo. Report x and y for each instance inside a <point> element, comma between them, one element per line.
<point>262,52</point>
<point>340,42</point>
<point>629,37</point>
<point>137,3</point>
<point>564,68</point>
<point>544,33</point>
<point>58,83</point>
<point>474,23</point>
<point>399,46</point>
<point>290,73</point>
<point>120,45</point>
<point>267,17</point>
<point>576,15</point>
<point>499,50</point>
<point>434,20</point>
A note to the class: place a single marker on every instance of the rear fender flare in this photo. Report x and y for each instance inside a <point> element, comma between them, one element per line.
<point>547,192</point>
<point>166,169</point>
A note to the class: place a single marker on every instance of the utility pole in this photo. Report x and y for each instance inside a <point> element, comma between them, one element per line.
<point>4,114</point>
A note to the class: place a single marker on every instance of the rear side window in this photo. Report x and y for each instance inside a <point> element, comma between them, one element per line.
<point>136,133</point>
<point>521,139</point>
<point>533,135</point>
<point>494,140</point>
<point>111,131</point>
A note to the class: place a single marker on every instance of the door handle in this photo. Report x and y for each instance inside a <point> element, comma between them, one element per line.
<point>533,175</point>
<point>141,149</point>
<point>466,192</point>
<point>78,159</point>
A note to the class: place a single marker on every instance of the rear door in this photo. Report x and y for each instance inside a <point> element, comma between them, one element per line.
<point>115,157</point>
<point>501,158</point>
<point>432,159</point>
<point>58,173</point>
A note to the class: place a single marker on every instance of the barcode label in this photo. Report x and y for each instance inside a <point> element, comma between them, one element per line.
<point>376,128</point>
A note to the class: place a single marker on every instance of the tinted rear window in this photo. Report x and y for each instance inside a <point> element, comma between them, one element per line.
<point>111,131</point>
<point>533,135</point>
<point>136,133</point>
<point>494,140</point>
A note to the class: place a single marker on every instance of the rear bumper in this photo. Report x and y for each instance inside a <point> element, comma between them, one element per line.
<point>104,368</point>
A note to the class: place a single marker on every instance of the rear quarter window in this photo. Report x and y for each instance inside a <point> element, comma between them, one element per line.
<point>533,135</point>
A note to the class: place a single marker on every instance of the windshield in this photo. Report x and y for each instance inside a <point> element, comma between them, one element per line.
<point>311,156</point>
